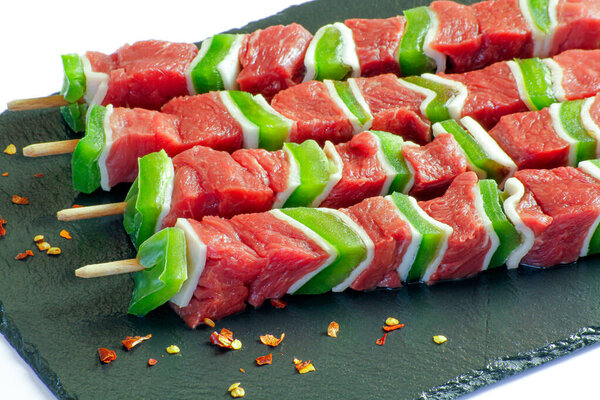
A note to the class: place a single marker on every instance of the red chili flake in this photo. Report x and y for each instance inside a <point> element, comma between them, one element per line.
<point>131,341</point>
<point>38,175</point>
<point>271,340</point>
<point>2,230</point>
<point>225,339</point>
<point>242,370</point>
<point>209,322</point>
<point>389,328</point>
<point>5,174</point>
<point>304,367</point>
<point>151,362</point>
<point>65,234</point>
<point>227,333</point>
<point>106,355</point>
<point>278,303</point>
<point>20,200</point>
<point>381,342</point>
<point>22,256</point>
<point>333,329</point>
<point>76,206</point>
<point>265,360</point>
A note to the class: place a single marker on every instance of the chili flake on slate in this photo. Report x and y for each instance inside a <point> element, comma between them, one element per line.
<point>278,303</point>
<point>440,339</point>
<point>235,390</point>
<point>209,322</point>
<point>271,340</point>
<point>106,355</point>
<point>10,149</point>
<point>333,329</point>
<point>173,349</point>
<point>152,362</point>
<point>38,175</point>
<point>5,174</point>
<point>389,328</point>
<point>242,370</point>
<point>65,234</point>
<point>391,321</point>
<point>131,341</point>
<point>304,367</point>
<point>76,206</point>
<point>16,199</point>
<point>265,360</point>
<point>225,340</point>
<point>38,238</point>
<point>53,251</point>
<point>22,256</point>
<point>43,246</point>
<point>381,342</point>
<point>2,230</point>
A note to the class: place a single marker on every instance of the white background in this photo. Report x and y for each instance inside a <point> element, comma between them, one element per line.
<point>34,34</point>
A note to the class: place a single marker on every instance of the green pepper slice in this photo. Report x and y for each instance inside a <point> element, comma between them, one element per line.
<point>328,55</point>
<point>540,15</point>
<point>431,241</point>
<point>437,109</point>
<point>412,58</point>
<point>506,232</point>
<point>350,248</point>
<point>570,119</point>
<point>594,245</point>
<point>315,169</point>
<point>537,79</point>
<point>150,191</point>
<point>164,257</point>
<point>205,75</point>
<point>391,145</point>
<point>74,84</point>
<point>74,116</point>
<point>273,127</point>
<point>345,92</point>
<point>84,163</point>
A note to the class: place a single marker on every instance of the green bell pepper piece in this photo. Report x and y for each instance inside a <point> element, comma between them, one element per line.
<point>328,55</point>
<point>205,75</point>
<point>84,164</point>
<point>74,84</point>
<point>540,15</point>
<point>164,257</point>
<point>315,169</point>
<point>432,237</point>
<point>506,232</point>
<point>273,128</point>
<point>392,150</point>
<point>538,82</point>
<point>412,58</point>
<point>350,248</point>
<point>74,116</point>
<point>594,246</point>
<point>145,199</point>
<point>437,109</point>
<point>570,118</point>
<point>343,90</point>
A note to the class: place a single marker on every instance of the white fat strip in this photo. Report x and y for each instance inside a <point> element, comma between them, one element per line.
<point>229,67</point>
<point>334,178</point>
<point>489,228</point>
<point>446,231</point>
<point>349,56</point>
<point>196,261</point>
<point>310,64</point>
<point>333,94</point>
<point>366,239</point>
<point>411,170</point>
<point>322,243</point>
<point>429,94</point>
<point>439,129</point>
<point>108,141</point>
<point>293,180</point>
<point>413,247</point>
<point>96,83</point>
<point>249,129</point>
<point>559,128</point>
<point>518,75</point>
<point>516,190</point>
<point>588,122</point>
<point>593,170</point>
<point>261,101</point>
<point>489,145</point>
<point>361,100</point>
<point>556,72</point>
<point>388,169</point>
<point>456,104</point>
<point>168,195</point>
<point>439,58</point>
<point>188,71</point>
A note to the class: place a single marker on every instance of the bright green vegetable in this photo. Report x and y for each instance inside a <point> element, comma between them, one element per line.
<point>350,247</point>
<point>150,191</point>
<point>412,58</point>
<point>392,149</point>
<point>315,169</point>
<point>345,92</point>
<point>506,232</point>
<point>540,15</point>
<point>570,118</point>
<point>437,109</point>
<point>74,84</point>
<point>538,82</point>
<point>205,75</point>
<point>328,60</point>
<point>74,116</point>
<point>164,257</point>
<point>594,246</point>
<point>84,163</point>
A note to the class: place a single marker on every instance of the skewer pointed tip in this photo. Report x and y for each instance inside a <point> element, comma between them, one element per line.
<point>101,210</point>
<point>50,148</point>
<point>109,268</point>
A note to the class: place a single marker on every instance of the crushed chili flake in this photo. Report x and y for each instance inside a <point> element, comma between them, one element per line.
<point>236,344</point>
<point>391,321</point>
<point>5,174</point>
<point>227,333</point>
<point>53,251</point>
<point>22,256</point>
<point>209,322</point>
<point>76,206</point>
<point>38,238</point>
<point>225,339</point>
<point>278,303</point>
<point>65,234</point>
<point>152,362</point>
<point>242,370</point>
<point>38,175</point>
<point>381,342</point>
<point>173,349</point>
<point>106,355</point>
<point>238,392</point>
<point>440,339</point>
<point>234,386</point>
<point>389,328</point>
<point>131,341</point>
<point>271,340</point>
<point>10,149</point>
<point>16,199</point>
<point>2,230</point>
<point>43,246</point>
<point>265,360</point>
<point>333,329</point>
<point>304,367</point>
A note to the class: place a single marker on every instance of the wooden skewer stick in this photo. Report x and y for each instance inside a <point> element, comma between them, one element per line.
<point>109,268</point>
<point>38,102</point>
<point>102,210</point>
<point>50,148</point>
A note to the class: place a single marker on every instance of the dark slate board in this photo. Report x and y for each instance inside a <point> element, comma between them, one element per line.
<point>57,322</point>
